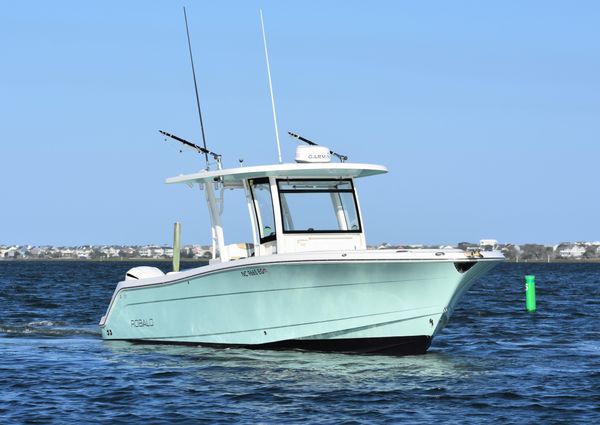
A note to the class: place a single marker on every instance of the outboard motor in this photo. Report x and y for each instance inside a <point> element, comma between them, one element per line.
<point>143,272</point>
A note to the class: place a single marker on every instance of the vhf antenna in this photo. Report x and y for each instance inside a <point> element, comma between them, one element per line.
<point>206,151</point>
<point>195,147</point>
<point>341,157</point>
<point>262,25</point>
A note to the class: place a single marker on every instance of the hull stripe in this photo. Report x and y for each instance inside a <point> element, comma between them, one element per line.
<point>164,338</point>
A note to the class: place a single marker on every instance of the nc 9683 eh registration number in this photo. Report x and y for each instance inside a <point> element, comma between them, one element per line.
<point>253,272</point>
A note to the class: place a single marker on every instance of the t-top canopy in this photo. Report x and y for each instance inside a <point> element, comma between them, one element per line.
<point>328,170</point>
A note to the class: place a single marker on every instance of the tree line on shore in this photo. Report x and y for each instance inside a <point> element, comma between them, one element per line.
<point>564,251</point>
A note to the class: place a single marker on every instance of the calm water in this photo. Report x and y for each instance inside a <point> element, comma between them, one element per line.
<point>493,362</point>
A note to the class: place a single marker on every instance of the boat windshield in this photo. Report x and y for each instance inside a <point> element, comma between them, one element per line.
<point>325,206</point>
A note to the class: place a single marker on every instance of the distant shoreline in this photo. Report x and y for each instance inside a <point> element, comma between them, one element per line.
<point>205,261</point>
<point>105,260</point>
<point>565,252</point>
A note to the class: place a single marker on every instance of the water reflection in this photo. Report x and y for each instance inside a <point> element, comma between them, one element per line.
<point>279,364</point>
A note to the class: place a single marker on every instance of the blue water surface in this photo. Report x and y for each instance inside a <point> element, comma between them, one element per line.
<point>493,362</point>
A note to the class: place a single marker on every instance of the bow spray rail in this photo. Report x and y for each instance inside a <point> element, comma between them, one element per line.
<point>194,146</point>
<point>341,157</point>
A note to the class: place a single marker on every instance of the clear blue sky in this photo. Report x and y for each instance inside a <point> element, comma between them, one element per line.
<point>487,114</point>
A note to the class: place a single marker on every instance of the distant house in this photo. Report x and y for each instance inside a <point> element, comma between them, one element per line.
<point>146,251</point>
<point>110,251</point>
<point>572,251</point>
<point>151,251</point>
<point>37,251</point>
<point>128,251</point>
<point>83,253</point>
<point>10,253</point>
<point>154,251</point>
<point>488,243</point>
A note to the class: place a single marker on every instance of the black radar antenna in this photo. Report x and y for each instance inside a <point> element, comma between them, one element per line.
<point>341,157</point>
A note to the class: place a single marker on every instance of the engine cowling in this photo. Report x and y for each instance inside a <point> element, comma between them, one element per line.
<point>143,272</point>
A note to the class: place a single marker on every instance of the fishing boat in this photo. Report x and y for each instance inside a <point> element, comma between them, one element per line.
<point>307,279</point>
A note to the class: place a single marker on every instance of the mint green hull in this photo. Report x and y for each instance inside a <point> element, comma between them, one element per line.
<point>270,302</point>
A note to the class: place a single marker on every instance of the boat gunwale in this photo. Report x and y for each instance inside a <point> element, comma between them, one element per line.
<point>272,259</point>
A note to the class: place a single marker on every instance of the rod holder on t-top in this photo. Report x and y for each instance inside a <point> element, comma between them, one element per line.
<point>194,146</point>
<point>341,157</point>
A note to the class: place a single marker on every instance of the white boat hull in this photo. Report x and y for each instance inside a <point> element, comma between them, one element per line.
<point>345,303</point>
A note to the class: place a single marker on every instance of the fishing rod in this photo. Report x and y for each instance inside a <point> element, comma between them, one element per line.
<point>341,157</point>
<point>194,146</point>
<point>196,89</point>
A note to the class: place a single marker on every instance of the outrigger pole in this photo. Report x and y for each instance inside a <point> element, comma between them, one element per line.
<point>197,97</point>
<point>341,157</point>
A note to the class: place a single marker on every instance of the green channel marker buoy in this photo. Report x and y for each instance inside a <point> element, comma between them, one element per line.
<point>530,293</point>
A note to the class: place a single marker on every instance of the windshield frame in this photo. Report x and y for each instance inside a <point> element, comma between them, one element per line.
<point>258,211</point>
<point>351,190</point>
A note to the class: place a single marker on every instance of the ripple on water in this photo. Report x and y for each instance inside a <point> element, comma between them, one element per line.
<point>493,363</point>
